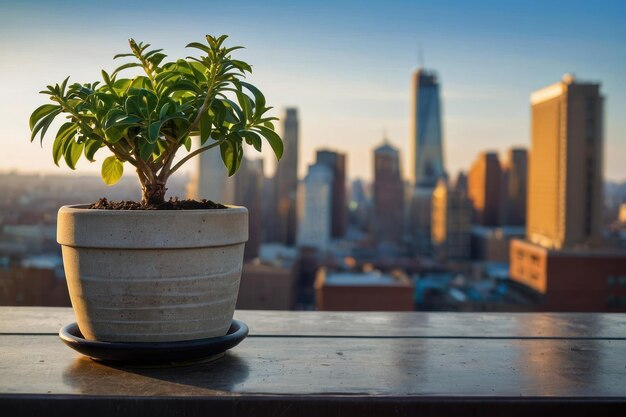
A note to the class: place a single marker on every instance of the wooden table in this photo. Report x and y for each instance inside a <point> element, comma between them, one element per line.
<point>335,364</point>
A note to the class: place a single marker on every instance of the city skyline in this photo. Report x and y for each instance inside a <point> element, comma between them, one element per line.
<point>487,68</point>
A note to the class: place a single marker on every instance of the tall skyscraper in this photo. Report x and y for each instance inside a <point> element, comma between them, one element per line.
<point>337,164</point>
<point>565,176</point>
<point>286,181</point>
<point>427,156</point>
<point>249,182</point>
<point>514,185</point>
<point>426,132</point>
<point>484,189</point>
<point>564,257</point>
<point>316,208</point>
<point>210,179</point>
<point>452,213</point>
<point>388,195</point>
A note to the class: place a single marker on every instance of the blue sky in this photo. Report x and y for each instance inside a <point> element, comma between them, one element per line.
<point>345,65</point>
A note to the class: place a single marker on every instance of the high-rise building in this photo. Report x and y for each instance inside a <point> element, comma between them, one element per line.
<point>286,181</point>
<point>565,175</point>
<point>484,189</point>
<point>388,195</point>
<point>514,184</point>
<point>427,156</point>
<point>210,179</point>
<point>451,218</point>
<point>315,211</point>
<point>249,182</point>
<point>426,132</point>
<point>337,164</point>
<point>564,259</point>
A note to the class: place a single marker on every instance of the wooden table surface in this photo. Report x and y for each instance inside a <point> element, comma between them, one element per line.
<point>321,363</point>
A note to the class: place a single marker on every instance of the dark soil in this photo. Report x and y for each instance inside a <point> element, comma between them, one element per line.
<point>172,204</point>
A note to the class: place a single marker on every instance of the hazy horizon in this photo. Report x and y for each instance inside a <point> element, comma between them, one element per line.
<point>345,66</point>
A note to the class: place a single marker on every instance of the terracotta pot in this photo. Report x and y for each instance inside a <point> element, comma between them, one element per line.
<point>153,276</point>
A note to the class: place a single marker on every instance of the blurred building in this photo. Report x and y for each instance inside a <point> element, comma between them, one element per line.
<point>493,244</point>
<point>266,287</point>
<point>564,258</point>
<point>565,175</point>
<point>426,136</point>
<point>359,206</point>
<point>484,189</point>
<point>337,164</point>
<point>360,291</point>
<point>316,207</point>
<point>621,216</point>
<point>451,218</point>
<point>427,156</point>
<point>514,184</point>
<point>283,229</point>
<point>210,179</point>
<point>388,195</point>
<point>419,221</point>
<point>28,286</point>
<point>572,279</point>
<point>249,182</point>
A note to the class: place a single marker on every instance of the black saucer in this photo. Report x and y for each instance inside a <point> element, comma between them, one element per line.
<point>154,353</point>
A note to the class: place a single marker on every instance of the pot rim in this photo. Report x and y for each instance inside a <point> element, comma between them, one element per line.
<point>80,227</point>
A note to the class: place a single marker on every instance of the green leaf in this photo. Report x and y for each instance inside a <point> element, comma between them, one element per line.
<point>259,98</point>
<point>164,110</point>
<point>66,132</point>
<point>205,127</point>
<point>41,112</point>
<point>273,139</point>
<point>125,66</point>
<point>246,104</point>
<point>228,156</point>
<point>73,152</point>
<point>146,149</point>
<point>199,46</point>
<point>187,143</point>
<point>153,131</point>
<point>112,170</point>
<point>91,147</point>
<point>252,138</point>
<point>44,124</point>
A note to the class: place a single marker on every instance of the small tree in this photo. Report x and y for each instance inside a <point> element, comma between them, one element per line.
<point>145,120</point>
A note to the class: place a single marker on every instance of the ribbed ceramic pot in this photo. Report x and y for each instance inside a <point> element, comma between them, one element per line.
<point>152,276</point>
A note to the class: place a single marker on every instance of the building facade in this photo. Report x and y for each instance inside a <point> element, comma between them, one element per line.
<point>426,132</point>
<point>484,182</point>
<point>388,195</point>
<point>314,216</point>
<point>249,189</point>
<point>563,257</point>
<point>514,186</point>
<point>451,223</point>
<point>337,164</point>
<point>565,175</point>
<point>427,157</point>
<point>286,181</point>
<point>210,179</point>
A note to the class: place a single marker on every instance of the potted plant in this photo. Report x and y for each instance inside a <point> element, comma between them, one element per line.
<point>156,271</point>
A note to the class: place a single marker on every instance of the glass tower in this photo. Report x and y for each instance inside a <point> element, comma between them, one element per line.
<point>426,139</point>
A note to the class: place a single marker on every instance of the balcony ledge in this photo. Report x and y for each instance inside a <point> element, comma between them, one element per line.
<point>314,363</point>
